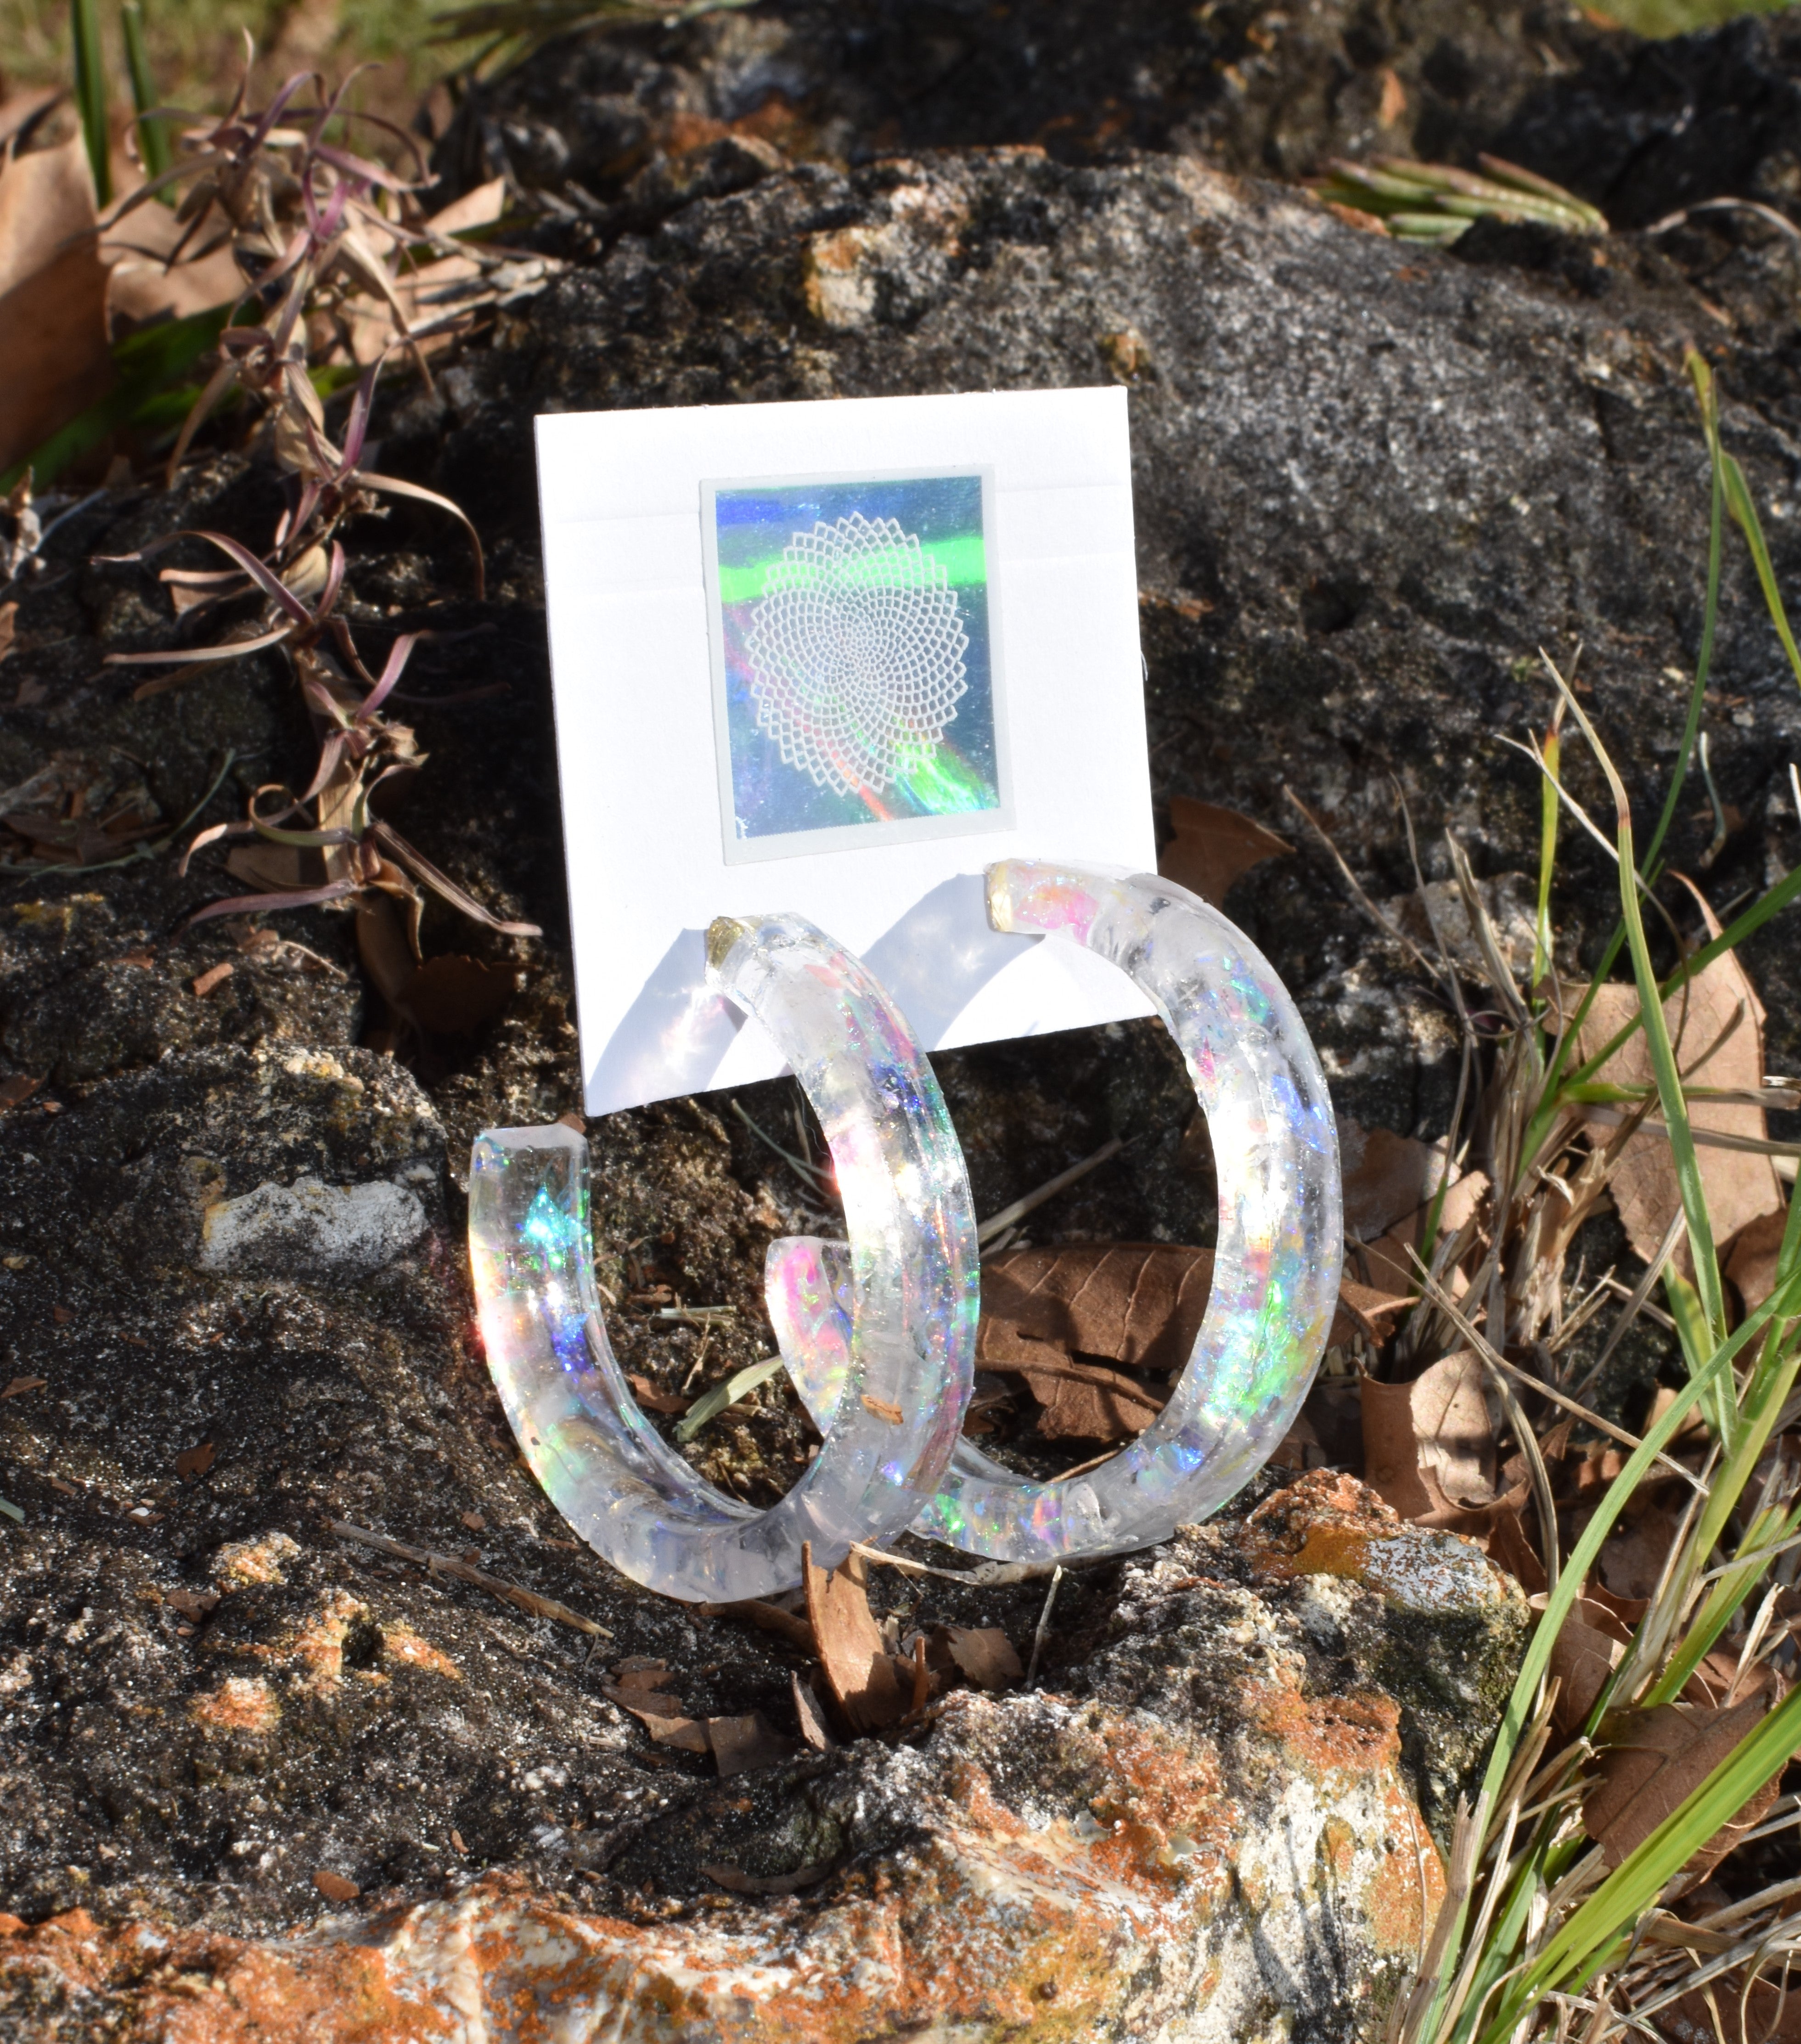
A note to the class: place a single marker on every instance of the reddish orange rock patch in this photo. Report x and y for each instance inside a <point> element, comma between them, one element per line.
<point>241,1704</point>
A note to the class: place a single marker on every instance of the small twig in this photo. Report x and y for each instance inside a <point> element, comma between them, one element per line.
<point>1363,901</point>
<point>1082,1469</point>
<point>1043,1625</point>
<point>999,1224</point>
<point>449,1565</point>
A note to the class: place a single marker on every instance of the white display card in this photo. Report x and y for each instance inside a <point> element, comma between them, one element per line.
<point>833,659</point>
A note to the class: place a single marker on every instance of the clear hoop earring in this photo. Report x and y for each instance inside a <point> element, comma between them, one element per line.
<point>911,1268</point>
<point>1275,1268</point>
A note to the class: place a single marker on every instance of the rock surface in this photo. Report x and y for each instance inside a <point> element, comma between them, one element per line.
<point>1208,1834</point>
<point>1372,480</point>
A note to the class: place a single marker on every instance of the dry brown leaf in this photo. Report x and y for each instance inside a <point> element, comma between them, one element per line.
<point>1386,1263</point>
<point>16,1091</point>
<point>1632,1558</point>
<point>1585,1653</point>
<point>853,1654</point>
<point>654,1401</point>
<point>139,286</point>
<point>743,1745</point>
<point>1213,846</point>
<point>1362,1309</point>
<point>812,1719</point>
<point>1508,1547</point>
<point>678,1729</point>
<point>192,1604</point>
<point>1386,1178</point>
<point>767,1618</point>
<point>1083,1401</point>
<point>474,1521</point>
<point>334,1887</point>
<point>1740,1185</point>
<point>372,328</point>
<point>21,1385</point>
<point>54,357</point>
<point>1772,2009</point>
<point>274,868</point>
<point>984,1653</point>
<point>195,1461</point>
<point>770,1883</point>
<point>1429,1445</point>
<point>1140,1304</point>
<point>454,995</point>
<point>1751,1266</point>
<point>1654,1760</point>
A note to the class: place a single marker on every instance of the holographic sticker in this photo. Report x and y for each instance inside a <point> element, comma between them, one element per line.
<point>856,675</point>
<point>1275,1268</point>
<point>910,1299</point>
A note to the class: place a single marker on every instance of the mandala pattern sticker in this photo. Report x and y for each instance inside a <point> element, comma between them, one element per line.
<point>854,662</point>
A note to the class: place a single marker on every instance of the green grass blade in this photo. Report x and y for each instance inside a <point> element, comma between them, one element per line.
<point>1579,1946</point>
<point>153,136</point>
<point>1552,752</point>
<point>735,1387</point>
<point>1738,498</point>
<point>90,93</point>
<point>1663,1067</point>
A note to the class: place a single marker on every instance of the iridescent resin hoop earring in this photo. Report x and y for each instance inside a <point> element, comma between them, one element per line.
<point>913,1276</point>
<point>1275,1270</point>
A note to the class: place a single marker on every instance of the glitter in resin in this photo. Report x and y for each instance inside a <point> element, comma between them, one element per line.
<point>1275,1271</point>
<point>910,1272</point>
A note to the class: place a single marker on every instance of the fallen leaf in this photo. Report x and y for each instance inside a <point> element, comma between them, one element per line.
<point>192,1604</point>
<point>743,1745</point>
<point>371,322</point>
<point>770,1883</point>
<point>654,1401</point>
<point>1213,846</point>
<point>1386,1178</point>
<point>1140,1304</point>
<point>1362,1309</point>
<point>1632,1558</point>
<point>194,1461</point>
<point>1393,103</point>
<point>474,1522</point>
<point>1385,1262</point>
<point>667,1728</point>
<point>1082,1401</point>
<point>454,995</point>
<point>213,977</point>
<point>1751,1264</point>
<point>1654,1761</point>
<point>984,1654</point>
<point>1430,1444</point>
<point>1509,1548</point>
<point>635,1672</point>
<point>23,1383</point>
<point>1772,2003</point>
<point>140,283</point>
<point>1719,1043</point>
<point>53,356</point>
<point>1587,1649</point>
<point>812,1719</point>
<point>769,1618</point>
<point>15,1091</point>
<point>334,1887</point>
<point>853,1654</point>
<point>275,869</point>
<point>61,1315</point>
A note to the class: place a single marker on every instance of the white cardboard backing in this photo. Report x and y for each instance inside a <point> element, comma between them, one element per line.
<point>631,652</point>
